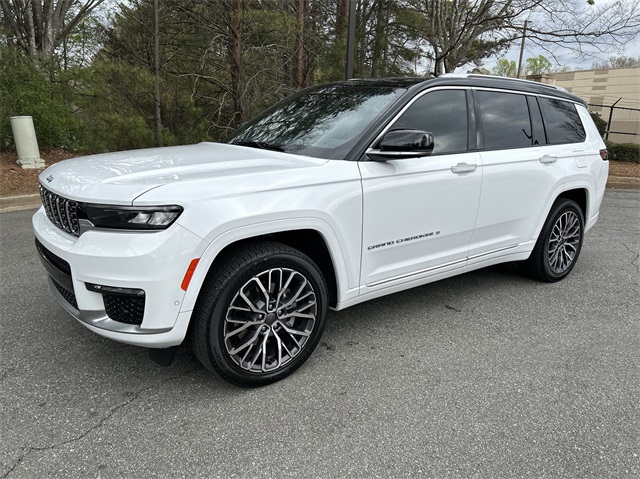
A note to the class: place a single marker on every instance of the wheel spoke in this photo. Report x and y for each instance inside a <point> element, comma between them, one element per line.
<point>245,343</point>
<point>249,303</point>
<point>296,295</point>
<point>241,328</point>
<point>295,331</point>
<point>284,289</point>
<point>261,287</point>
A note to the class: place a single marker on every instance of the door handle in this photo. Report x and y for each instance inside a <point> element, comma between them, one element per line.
<point>463,168</point>
<point>547,159</point>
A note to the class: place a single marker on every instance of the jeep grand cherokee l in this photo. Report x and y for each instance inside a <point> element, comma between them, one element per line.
<point>339,194</point>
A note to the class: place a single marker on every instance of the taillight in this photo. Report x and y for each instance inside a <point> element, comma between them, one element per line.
<point>604,154</point>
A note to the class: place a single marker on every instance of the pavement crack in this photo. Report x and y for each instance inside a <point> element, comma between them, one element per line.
<point>29,449</point>
<point>634,261</point>
<point>4,375</point>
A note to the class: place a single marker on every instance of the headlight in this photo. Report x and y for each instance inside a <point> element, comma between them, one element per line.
<point>131,217</point>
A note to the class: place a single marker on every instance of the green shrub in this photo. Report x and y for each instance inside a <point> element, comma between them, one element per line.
<point>26,90</point>
<point>601,124</point>
<point>112,131</point>
<point>628,152</point>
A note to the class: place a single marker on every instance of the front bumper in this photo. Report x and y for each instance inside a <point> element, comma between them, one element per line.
<point>151,262</point>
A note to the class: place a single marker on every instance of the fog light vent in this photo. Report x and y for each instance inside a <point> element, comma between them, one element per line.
<point>124,309</point>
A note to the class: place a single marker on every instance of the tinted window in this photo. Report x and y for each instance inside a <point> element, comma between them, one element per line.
<point>443,113</point>
<point>505,120</point>
<point>562,122</point>
<point>325,122</point>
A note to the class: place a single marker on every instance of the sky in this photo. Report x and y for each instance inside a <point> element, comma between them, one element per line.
<point>565,57</point>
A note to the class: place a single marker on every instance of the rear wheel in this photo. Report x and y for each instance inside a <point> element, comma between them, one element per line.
<point>558,246</point>
<point>261,314</point>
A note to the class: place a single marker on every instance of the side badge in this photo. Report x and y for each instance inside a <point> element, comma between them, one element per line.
<point>49,178</point>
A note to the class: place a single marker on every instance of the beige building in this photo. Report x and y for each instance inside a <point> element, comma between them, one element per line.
<point>604,88</point>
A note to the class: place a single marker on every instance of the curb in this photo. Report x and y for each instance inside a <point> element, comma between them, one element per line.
<point>17,203</point>
<point>623,183</point>
<point>26,202</point>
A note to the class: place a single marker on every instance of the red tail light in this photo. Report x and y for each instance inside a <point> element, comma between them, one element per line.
<point>604,154</point>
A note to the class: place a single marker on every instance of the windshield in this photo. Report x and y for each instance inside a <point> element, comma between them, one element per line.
<point>323,122</point>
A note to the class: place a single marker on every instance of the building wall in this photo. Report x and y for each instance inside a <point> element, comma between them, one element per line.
<point>606,87</point>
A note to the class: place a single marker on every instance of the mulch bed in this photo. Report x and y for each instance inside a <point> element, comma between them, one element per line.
<point>16,181</point>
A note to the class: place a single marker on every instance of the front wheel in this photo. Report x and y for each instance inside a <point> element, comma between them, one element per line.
<point>558,246</point>
<point>261,315</point>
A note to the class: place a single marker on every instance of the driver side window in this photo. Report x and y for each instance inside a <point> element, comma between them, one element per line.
<point>443,113</point>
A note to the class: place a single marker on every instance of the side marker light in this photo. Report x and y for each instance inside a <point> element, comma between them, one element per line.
<point>189,274</point>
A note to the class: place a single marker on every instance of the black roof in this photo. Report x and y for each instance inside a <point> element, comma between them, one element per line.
<point>487,81</point>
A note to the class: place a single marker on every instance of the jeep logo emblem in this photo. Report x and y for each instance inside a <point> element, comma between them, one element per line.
<point>49,178</point>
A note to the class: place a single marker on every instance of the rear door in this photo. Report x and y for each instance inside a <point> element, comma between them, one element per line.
<point>520,171</point>
<point>419,214</point>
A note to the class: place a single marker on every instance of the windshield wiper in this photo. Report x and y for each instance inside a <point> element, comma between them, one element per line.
<point>258,144</point>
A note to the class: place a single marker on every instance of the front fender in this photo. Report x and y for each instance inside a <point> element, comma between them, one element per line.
<point>345,275</point>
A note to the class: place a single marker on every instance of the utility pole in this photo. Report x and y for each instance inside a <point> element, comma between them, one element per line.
<point>351,39</point>
<point>524,35</point>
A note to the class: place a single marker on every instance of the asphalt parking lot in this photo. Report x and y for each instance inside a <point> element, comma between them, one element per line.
<point>484,375</point>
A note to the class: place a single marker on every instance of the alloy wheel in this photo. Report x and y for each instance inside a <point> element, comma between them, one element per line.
<point>564,242</point>
<point>269,320</point>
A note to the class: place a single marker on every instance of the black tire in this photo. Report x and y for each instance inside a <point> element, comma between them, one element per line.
<point>558,246</point>
<point>223,310</point>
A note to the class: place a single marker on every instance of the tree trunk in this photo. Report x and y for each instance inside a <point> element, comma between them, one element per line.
<point>156,72</point>
<point>379,40</point>
<point>301,56</point>
<point>342,14</point>
<point>40,26</point>
<point>235,62</point>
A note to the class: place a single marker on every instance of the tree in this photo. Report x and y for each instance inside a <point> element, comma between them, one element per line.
<point>38,27</point>
<point>617,62</point>
<point>458,32</point>
<point>505,68</point>
<point>568,25</point>
<point>538,65</point>
<point>461,31</point>
<point>24,90</point>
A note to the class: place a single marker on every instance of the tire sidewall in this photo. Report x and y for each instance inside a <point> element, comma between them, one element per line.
<point>218,354</point>
<point>561,208</point>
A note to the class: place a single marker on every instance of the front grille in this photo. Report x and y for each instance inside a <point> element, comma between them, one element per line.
<point>68,296</point>
<point>57,261</point>
<point>61,211</point>
<point>124,309</point>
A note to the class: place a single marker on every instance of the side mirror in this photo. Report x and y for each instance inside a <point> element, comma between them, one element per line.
<point>401,144</point>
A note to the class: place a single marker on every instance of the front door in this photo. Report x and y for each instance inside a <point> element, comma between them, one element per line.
<point>419,214</point>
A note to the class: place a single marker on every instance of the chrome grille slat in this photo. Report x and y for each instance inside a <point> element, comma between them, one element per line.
<point>61,211</point>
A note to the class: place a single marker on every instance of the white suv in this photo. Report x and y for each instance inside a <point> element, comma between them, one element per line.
<point>339,194</point>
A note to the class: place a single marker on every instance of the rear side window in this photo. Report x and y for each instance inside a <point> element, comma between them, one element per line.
<point>562,122</point>
<point>505,120</point>
<point>443,113</point>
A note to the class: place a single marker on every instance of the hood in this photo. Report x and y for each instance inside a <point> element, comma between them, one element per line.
<point>118,178</point>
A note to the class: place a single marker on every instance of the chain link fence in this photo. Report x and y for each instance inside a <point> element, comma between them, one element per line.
<point>623,122</point>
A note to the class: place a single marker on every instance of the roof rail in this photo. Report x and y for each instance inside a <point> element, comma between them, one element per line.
<point>494,77</point>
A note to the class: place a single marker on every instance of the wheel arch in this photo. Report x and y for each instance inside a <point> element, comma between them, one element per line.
<point>577,193</point>
<point>316,241</point>
<point>580,196</point>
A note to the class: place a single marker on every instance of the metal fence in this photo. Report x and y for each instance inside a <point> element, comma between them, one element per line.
<point>623,122</point>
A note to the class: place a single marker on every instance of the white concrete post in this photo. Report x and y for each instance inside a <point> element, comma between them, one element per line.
<point>24,136</point>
